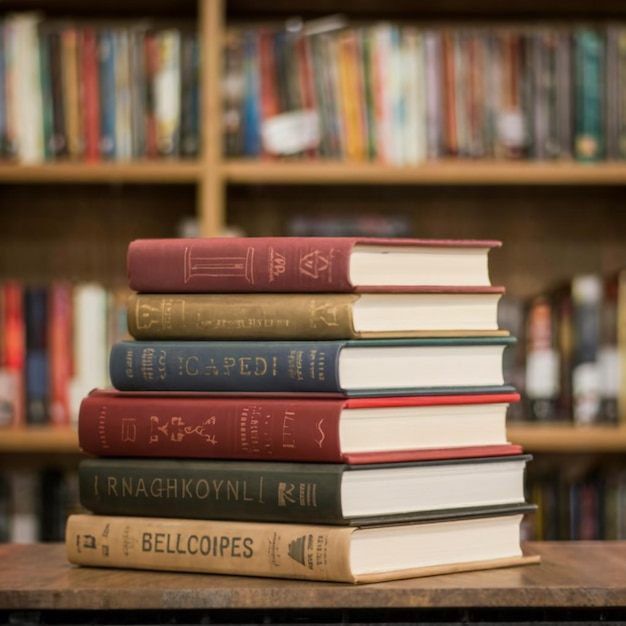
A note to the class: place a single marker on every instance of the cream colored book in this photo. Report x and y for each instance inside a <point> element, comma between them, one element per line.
<point>297,551</point>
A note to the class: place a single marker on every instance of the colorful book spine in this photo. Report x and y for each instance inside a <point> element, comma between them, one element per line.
<point>294,366</point>
<point>287,492</point>
<point>589,89</point>
<point>261,427</point>
<point>277,264</point>
<point>106,88</point>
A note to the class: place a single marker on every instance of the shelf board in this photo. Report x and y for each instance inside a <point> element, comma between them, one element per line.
<point>532,437</point>
<point>39,440</point>
<point>430,173</point>
<point>568,437</point>
<point>322,172</point>
<point>188,171</point>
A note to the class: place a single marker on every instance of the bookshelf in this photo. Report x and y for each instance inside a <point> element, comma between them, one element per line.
<point>555,218</point>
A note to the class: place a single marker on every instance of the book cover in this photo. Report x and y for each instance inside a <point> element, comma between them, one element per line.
<point>306,551</point>
<point>59,140</point>
<point>89,93</point>
<point>281,491</point>
<point>323,264</point>
<point>589,86</point>
<point>60,340</point>
<point>167,92</point>
<point>293,427</point>
<point>151,54</point>
<point>123,111</point>
<point>90,351</point>
<point>13,355</point>
<point>354,367</point>
<point>36,366</point>
<point>314,316</point>
<point>46,91</point>
<point>587,300</point>
<point>106,89</point>
<point>232,93</point>
<point>542,360</point>
<point>71,91</point>
<point>190,96</point>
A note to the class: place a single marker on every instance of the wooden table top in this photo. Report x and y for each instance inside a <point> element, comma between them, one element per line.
<point>571,574</point>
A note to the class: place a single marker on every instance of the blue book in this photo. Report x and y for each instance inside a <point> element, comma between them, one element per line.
<point>251,112</point>
<point>106,66</point>
<point>359,367</point>
<point>37,389</point>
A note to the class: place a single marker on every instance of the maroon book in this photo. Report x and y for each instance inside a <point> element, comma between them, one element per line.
<point>294,427</point>
<point>305,264</point>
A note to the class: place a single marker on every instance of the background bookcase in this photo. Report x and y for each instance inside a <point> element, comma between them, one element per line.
<point>74,219</point>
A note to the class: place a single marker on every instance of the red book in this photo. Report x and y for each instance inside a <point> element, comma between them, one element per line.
<point>152,60</point>
<point>305,264</point>
<point>90,95</point>
<point>13,353</point>
<point>60,342</point>
<point>291,427</point>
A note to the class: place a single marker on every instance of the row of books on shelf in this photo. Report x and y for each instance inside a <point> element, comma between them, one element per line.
<point>573,350</point>
<point>35,504</point>
<point>403,93</point>
<point>575,504</point>
<point>95,91</point>
<point>276,439</point>
<point>54,342</point>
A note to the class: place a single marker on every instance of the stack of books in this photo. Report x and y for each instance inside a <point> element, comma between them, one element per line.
<point>315,408</point>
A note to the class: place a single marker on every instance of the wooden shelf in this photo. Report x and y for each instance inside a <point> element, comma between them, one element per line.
<point>430,173</point>
<point>568,438</point>
<point>39,440</point>
<point>128,172</point>
<point>584,574</point>
<point>533,437</point>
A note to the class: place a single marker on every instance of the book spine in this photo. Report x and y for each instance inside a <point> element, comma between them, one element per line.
<point>3,91</point>
<point>542,361</point>
<point>291,264</point>
<point>90,96</point>
<point>235,316</point>
<point>216,489</point>
<point>71,88</point>
<point>60,352</point>
<point>238,428</point>
<point>46,93</point>
<point>587,304</point>
<point>224,366</point>
<point>589,86</point>
<point>167,93</point>
<point>106,88</point>
<point>189,135</point>
<point>13,347</point>
<point>254,549</point>
<point>36,365</point>
<point>123,112</point>
<point>58,147</point>
<point>90,352</point>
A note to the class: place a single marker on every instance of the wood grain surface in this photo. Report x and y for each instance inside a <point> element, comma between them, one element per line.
<point>571,574</point>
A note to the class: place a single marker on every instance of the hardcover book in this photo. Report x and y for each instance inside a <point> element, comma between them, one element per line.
<point>448,311</point>
<point>354,367</point>
<point>298,551</point>
<point>293,428</point>
<point>295,264</point>
<point>324,493</point>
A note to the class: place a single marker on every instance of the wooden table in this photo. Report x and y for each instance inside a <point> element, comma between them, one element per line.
<point>576,582</point>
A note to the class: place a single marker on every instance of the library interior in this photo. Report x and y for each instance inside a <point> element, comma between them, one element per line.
<point>312,312</point>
